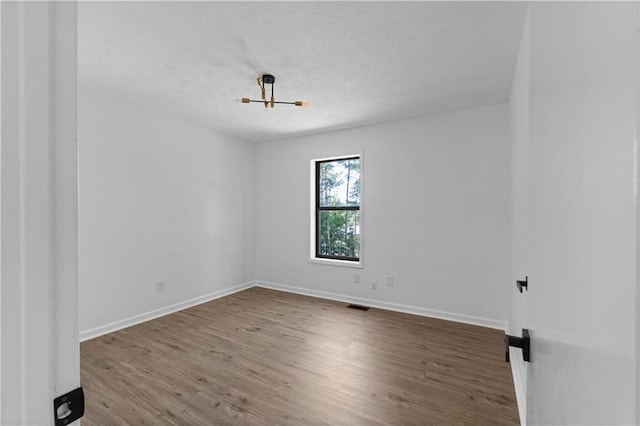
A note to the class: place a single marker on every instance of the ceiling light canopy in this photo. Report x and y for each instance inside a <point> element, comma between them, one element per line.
<point>270,79</point>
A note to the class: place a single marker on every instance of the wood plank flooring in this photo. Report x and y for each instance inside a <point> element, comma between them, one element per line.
<point>263,357</point>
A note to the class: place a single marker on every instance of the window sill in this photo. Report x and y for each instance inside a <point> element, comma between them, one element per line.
<point>335,262</point>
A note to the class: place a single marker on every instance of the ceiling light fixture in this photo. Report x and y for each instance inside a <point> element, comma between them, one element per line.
<point>270,79</point>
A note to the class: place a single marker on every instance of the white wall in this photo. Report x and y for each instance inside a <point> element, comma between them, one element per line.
<point>436,214</point>
<point>159,200</point>
<point>580,122</point>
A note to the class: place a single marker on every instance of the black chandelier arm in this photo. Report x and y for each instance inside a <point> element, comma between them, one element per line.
<point>275,102</point>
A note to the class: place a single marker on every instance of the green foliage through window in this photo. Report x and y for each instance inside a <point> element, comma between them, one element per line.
<point>338,209</point>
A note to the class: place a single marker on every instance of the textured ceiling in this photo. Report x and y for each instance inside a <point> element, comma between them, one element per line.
<point>357,63</point>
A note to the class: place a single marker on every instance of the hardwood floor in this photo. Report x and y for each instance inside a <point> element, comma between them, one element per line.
<point>263,357</point>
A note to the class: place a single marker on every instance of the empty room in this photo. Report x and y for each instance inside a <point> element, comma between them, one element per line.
<point>320,213</point>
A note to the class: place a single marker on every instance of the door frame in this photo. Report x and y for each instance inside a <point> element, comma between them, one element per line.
<point>39,350</point>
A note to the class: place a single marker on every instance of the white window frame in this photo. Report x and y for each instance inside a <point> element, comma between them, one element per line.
<point>312,216</point>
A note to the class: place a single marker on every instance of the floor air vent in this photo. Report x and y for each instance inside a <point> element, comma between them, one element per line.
<point>358,307</point>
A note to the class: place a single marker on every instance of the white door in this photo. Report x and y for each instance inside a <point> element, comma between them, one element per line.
<point>38,297</point>
<point>583,156</point>
<point>520,261</point>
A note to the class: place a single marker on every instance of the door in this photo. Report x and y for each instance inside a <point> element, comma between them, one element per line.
<point>38,259</point>
<point>520,260</point>
<point>583,151</point>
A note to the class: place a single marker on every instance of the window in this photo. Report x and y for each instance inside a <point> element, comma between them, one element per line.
<point>337,222</point>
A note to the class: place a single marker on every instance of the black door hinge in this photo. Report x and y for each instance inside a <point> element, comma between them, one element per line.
<point>523,343</point>
<point>523,284</point>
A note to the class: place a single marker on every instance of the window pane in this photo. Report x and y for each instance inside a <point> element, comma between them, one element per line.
<point>339,183</point>
<point>339,233</point>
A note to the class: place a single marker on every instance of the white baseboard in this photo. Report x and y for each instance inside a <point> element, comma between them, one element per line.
<point>518,384</point>
<point>415,310</point>
<point>137,319</point>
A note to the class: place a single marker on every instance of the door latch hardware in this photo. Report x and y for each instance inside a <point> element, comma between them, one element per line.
<point>523,284</point>
<point>68,407</point>
<point>523,343</point>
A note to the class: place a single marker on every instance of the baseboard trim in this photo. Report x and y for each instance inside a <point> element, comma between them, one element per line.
<point>415,310</point>
<point>156,313</point>
<point>518,385</point>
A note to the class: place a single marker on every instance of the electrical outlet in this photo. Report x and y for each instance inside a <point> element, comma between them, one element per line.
<point>374,285</point>
<point>159,286</point>
<point>390,282</point>
<point>356,278</point>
